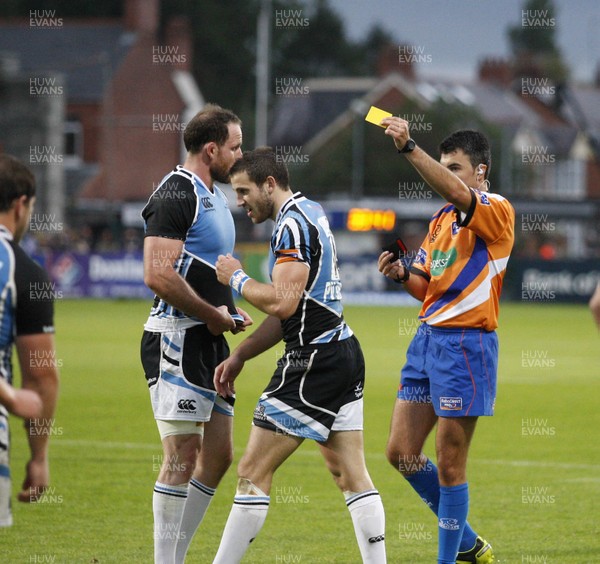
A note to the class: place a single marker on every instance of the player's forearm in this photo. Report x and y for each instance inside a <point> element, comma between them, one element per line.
<point>173,289</point>
<point>267,335</point>
<point>444,182</point>
<point>416,286</point>
<point>272,299</point>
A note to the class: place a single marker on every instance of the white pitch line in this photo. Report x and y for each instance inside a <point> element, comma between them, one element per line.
<point>304,452</point>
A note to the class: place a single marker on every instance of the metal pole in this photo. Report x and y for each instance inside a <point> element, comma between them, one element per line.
<point>263,37</point>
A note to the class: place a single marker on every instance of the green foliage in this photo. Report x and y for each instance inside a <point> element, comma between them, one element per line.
<point>535,43</point>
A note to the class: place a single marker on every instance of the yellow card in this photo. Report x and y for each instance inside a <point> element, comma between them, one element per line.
<point>375,115</point>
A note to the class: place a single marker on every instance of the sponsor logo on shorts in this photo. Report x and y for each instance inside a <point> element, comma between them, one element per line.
<point>378,538</point>
<point>449,524</point>
<point>186,405</point>
<point>450,404</point>
<point>259,413</point>
<point>358,390</point>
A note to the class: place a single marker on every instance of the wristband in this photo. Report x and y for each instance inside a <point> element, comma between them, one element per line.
<point>238,279</point>
<point>405,277</point>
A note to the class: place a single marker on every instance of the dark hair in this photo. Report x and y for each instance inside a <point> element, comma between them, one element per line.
<point>208,125</point>
<point>16,180</point>
<point>259,164</point>
<point>473,144</point>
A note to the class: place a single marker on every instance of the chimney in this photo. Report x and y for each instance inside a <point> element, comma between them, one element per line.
<point>496,71</point>
<point>178,33</point>
<point>391,59</point>
<point>142,15</point>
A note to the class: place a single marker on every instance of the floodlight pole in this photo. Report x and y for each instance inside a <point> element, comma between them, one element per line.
<point>263,39</point>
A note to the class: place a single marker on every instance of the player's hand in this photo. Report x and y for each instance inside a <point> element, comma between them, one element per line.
<point>20,402</point>
<point>239,327</point>
<point>225,375</point>
<point>392,270</point>
<point>221,321</point>
<point>398,129</point>
<point>37,478</point>
<point>226,266</point>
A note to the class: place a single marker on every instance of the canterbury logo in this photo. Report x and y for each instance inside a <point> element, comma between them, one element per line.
<point>206,203</point>
<point>380,538</point>
<point>187,404</point>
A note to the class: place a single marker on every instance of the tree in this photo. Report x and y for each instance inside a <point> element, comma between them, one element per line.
<point>533,42</point>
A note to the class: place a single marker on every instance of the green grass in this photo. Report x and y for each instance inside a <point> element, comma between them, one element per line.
<point>104,458</point>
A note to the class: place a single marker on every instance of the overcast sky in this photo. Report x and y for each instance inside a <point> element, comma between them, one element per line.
<point>456,34</point>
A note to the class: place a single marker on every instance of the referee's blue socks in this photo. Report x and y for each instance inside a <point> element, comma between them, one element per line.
<point>452,516</point>
<point>427,484</point>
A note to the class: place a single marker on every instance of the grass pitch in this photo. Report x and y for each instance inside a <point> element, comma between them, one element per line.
<point>534,468</point>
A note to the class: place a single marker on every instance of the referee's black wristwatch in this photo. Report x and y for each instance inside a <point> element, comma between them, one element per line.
<point>409,147</point>
<point>404,278</point>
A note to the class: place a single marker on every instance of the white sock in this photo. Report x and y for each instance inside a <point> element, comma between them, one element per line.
<point>245,521</point>
<point>198,500</point>
<point>167,504</point>
<point>368,518</point>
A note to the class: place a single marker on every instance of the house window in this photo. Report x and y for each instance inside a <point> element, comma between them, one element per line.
<point>73,132</point>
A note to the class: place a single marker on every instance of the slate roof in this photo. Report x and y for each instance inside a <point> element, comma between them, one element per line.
<point>87,54</point>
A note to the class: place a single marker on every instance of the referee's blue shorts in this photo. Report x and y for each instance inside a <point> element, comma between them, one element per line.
<point>454,369</point>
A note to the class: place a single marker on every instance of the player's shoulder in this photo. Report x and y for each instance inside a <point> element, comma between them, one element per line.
<point>26,268</point>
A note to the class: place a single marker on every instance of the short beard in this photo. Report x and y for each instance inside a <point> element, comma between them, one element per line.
<point>220,175</point>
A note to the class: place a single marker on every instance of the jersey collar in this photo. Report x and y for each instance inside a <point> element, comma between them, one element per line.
<point>6,232</point>
<point>289,202</point>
